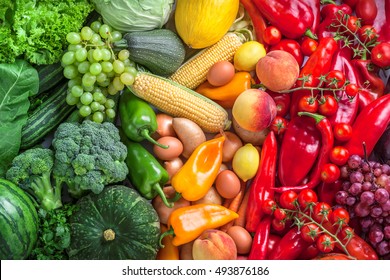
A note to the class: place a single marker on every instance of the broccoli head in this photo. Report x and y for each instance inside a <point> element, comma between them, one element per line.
<point>88,156</point>
<point>31,170</point>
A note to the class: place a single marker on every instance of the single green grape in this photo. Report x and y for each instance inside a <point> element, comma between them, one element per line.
<point>118,85</point>
<point>88,88</point>
<point>85,110</point>
<point>110,103</point>
<point>90,56</point>
<point>84,67</point>
<point>110,113</point>
<point>101,77</point>
<point>127,78</point>
<point>95,68</point>
<point>95,106</point>
<point>118,66</point>
<point>88,79</point>
<point>86,33</point>
<point>104,31</point>
<point>97,54</point>
<point>73,38</point>
<point>98,96</point>
<point>105,83</point>
<point>132,70</point>
<point>116,36</point>
<point>95,26</point>
<point>74,48</point>
<point>75,81</point>
<point>98,117</point>
<point>107,66</point>
<point>123,55</point>
<point>71,100</point>
<point>106,54</point>
<point>111,89</point>
<point>70,72</point>
<point>86,98</point>
<point>68,58</point>
<point>77,90</point>
<point>95,39</point>
<point>81,54</point>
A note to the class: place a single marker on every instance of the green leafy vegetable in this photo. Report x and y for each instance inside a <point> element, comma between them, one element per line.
<point>134,15</point>
<point>37,29</point>
<point>18,81</point>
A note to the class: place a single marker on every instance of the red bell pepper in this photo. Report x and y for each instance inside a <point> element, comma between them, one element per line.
<point>314,6</point>
<point>259,249</point>
<point>327,140</point>
<point>258,21</point>
<point>317,64</point>
<point>298,151</point>
<point>292,47</point>
<point>369,125</point>
<point>368,77</point>
<point>329,14</point>
<point>294,18</point>
<point>261,187</point>
<point>382,20</point>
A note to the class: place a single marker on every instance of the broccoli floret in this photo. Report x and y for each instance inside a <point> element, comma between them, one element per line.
<point>31,170</point>
<point>88,156</point>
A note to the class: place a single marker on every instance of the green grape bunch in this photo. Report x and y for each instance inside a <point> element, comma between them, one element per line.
<point>95,72</point>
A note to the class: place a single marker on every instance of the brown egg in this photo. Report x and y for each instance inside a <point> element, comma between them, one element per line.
<point>221,73</point>
<point>227,184</point>
<point>174,150</point>
<point>242,238</point>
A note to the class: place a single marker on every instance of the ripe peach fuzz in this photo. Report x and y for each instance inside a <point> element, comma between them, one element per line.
<point>214,244</point>
<point>278,70</point>
<point>254,110</point>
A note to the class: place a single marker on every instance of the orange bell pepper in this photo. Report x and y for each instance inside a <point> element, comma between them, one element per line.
<point>198,173</point>
<point>168,251</point>
<point>227,94</point>
<point>188,222</point>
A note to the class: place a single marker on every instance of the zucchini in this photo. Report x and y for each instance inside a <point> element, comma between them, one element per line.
<point>46,117</point>
<point>50,76</point>
<point>161,51</point>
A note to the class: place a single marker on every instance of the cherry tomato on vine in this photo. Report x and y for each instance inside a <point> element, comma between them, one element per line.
<point>325,243</point>
<point>279,125</point>
<point>340,216</point>
<point>335,79</point>
<point>272,35</point>
<point>367,33</point>
<point>339,155</point>
<point>342,132</point>
<point>353,24</point>
<point>280,214</point>
<point>308,103</point>
<point>346,233</point>
<point>308,46</point>
<point>310,232</point>
<point>282,101</point>
<point>268,206</point>
<point>278,225</point>
<point>380,55</point>
<point>306,198</point>
<point>288,200</point>
<point>351,90</point>
<point>330,173</point>
<point>328,105</point>
<point>322,212</point>
<point>291,46</point>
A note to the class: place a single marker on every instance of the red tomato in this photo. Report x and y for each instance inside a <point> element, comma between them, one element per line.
<point>339,155</point>
<point>268,206</point>
<point>328,105</point>
<point>330,173</point>
<point>342,132</point>
<point>367,33</point>
<point>325,243</point>
<point>340,216</point>
<point>380,55</point>
<point>335,79</point>
<point>282,101</point>
<point>306,198</point>
<point>347,233</point>
<point>308,103</point>
<point>353,24</point>
<point>272,35</point>
<point>279,125</point>
<point>280,214</point>
<point>310,232</point>
<point>278,225</point>
<point>290,46</point>
<point>322,212</point>
<point>366,10</point>
<point>288,200</point>
<point>308,46</point>
<point>351,90</point>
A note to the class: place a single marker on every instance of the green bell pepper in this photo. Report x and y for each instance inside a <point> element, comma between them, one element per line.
<point>138,120</point>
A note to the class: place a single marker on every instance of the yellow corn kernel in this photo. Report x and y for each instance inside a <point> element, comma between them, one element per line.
<point>178,101</point>
<point>192,73</point>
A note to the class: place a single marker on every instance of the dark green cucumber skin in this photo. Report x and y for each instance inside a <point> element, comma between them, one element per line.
<point>130,216</point>
<point>161,51</point>
<point>46,117</point>
<point>18,222</point>
<point>50,76</point>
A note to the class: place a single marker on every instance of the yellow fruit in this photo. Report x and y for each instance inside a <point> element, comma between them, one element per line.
<point>202,23</point>
<point>246,162</point>
<point>247,56</point>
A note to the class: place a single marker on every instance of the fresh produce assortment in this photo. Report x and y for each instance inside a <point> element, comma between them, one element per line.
<point>129,130</point>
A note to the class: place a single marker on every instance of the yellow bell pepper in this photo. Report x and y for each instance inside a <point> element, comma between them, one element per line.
<point>198,173</point>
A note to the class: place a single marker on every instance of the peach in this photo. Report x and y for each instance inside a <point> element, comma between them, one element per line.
<point>254,110</point>
<point>278,70</point>
<point>214,244</point>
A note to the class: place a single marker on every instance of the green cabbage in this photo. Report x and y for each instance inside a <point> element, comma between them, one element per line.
<point>134,15</point>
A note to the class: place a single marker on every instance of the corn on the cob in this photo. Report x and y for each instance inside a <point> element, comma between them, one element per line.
<point>193,72</point>
<point>178,101</point>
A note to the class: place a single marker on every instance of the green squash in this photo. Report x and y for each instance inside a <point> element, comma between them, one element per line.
<point>115,224</point>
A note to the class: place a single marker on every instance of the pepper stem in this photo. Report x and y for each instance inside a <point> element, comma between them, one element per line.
<point>145,134</point>
<point>161,193</point>
<point>316,117</point>
<point>175,198</point>
<point>310,34</point>
<point>170,231</point>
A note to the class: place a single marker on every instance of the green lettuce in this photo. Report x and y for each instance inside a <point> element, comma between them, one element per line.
<point>134,15</point>
<point>35,30</point>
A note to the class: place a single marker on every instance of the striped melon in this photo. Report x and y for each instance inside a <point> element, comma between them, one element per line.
<point>18,222</point>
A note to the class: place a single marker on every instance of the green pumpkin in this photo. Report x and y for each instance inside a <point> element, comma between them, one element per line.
<point>116,224</point>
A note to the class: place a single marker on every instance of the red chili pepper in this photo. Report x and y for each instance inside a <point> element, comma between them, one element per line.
<point>329,14</point>
<point>369,125</point>
<point>364,98</point>
<point>294,18</point>
<point>382,20</point>
<point>325,128</point>
<point>292,47</point>
<point>258,21</point>
<point>347,107</point>
<point>259,249</point>
<point>368,76</point>
<point>317,64</point>
<point>298,151</point>
<point>290,246</point>
<point>326,191</point>
<point>262,185</point>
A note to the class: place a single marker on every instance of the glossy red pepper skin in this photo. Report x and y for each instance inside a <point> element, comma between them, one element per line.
<point>347,107</point>
<point>293,18</point>
<point>368,77</point>
<point>365,97</point>
<point>327,140</point>
<point>329,13</point>
<point>290,246</point>
<point>314,6</point>
<point>299,150</point>
<point>259,249</point>
<point>262,185</point>
<point>382,20</point>
<point>292,47</point>
<point>369,125</point>
<point>258,20</point>
<point>327,191</point>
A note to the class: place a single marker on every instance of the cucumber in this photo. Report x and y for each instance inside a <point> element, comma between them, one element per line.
<point>46,117</point>
<point>161,51</point>
<point>50,76</point>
